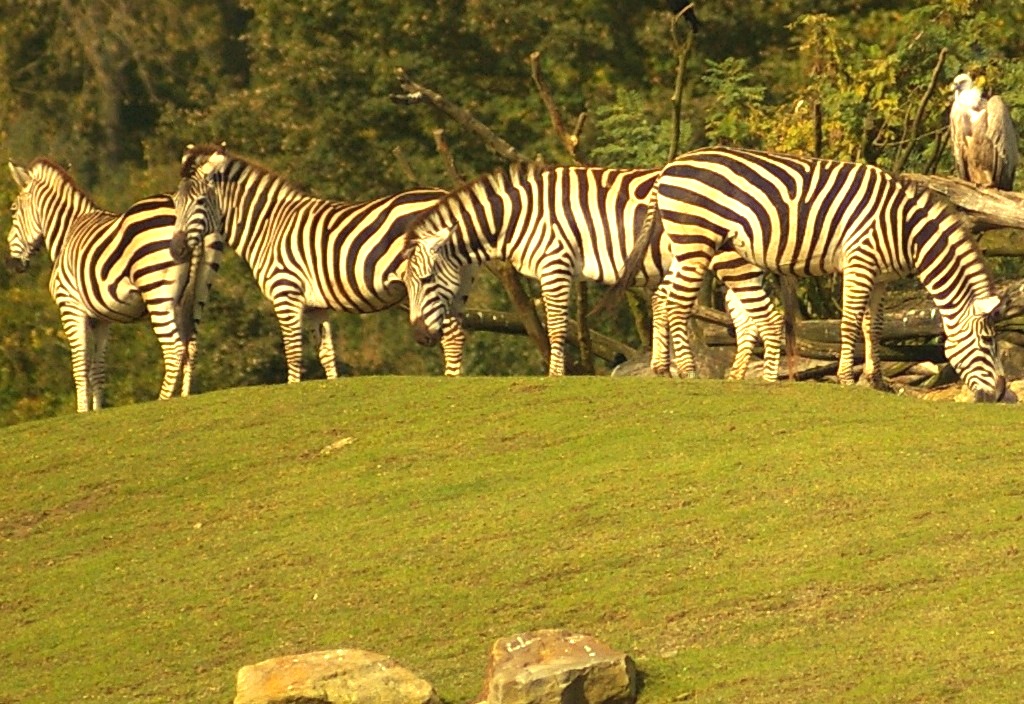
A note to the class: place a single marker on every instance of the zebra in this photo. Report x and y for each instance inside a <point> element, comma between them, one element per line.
<point>553,224</point>
<point>108,268</point>
<point>309,255</point>
<point>807,217</point>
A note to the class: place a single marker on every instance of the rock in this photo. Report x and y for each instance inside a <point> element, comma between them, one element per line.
<point>638,366</point>
<point>332,677</point>
<point>709,362</point>
<point>558,667</point>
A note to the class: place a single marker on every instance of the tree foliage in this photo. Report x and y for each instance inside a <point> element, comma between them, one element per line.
<point>304,88</point>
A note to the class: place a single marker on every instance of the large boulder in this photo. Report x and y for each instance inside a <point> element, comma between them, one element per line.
<point>558,667</point>
<point>332,677</point>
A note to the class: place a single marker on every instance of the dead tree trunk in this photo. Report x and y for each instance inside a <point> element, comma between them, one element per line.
<point>984,208</point>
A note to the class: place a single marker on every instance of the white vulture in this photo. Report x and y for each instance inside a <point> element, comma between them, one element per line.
<point>983,137</point>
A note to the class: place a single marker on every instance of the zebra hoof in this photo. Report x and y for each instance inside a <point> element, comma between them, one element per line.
<point>876,382</point>
<point>661,370</point>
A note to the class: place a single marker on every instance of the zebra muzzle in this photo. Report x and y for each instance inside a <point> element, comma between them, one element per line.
<point>999,393</point>
<point>424,335</point>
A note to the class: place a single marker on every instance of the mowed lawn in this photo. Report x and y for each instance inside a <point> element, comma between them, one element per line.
<point>743,542</point>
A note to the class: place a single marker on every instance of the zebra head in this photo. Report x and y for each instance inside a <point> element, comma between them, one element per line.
<point>26,235</point>
<point>432,280</point>
<point>970,348</point>
<point>196,206</point>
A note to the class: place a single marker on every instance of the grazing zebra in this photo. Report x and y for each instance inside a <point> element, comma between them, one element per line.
<point>108,268</point>
<point>809,217</point>
<point>553,224</point>
<point>308,255</point>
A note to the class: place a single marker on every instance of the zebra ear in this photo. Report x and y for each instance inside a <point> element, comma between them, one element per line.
<point>188,152</point>
<point>437,239</point>
<point>19,174</point>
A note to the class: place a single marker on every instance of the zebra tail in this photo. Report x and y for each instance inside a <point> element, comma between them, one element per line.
<point>635,261</point>
<point>179,247</point>
<point>184,310</point>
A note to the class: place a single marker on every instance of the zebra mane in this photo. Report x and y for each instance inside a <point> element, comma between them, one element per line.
<point>196,156</point>
<point>419,230</point>
<point>62,174</point>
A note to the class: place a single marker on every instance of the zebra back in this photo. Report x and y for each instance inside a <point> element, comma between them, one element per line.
<point>528,214</point>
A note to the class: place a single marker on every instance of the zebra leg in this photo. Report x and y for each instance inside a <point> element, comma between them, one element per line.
<point>746,336</point>
<point>554,291</point>
<point>682,286</point>
<point>660,353</point>
<point>165,321</point>
<point>857,284</point>
<point>76,329</point>
<point>324,340</point>
<point>289,318</point>
<point>453,340</point>
<point>98,337</point>
<point>752,311</point>
<point>453,335</point>
<point>772,331</point>
<point>191,350</point>
<point>871,327</point>
<point>174,354</point>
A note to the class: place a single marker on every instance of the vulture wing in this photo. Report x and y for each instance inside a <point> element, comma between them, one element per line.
<point>1003,136</point>
<point>959,128</point>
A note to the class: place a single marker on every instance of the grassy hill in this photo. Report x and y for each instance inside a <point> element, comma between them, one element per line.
<point>744,542</point>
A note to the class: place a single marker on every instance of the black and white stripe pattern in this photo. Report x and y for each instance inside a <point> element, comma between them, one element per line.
<point>809,217</point>
<point>551,224</point>
<point>308,255</point>
<point>107,268</point>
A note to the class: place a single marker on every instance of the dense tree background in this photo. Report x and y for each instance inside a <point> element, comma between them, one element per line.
<point>304,89</point>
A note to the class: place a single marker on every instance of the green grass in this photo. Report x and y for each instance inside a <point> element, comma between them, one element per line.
<point>743,542</point>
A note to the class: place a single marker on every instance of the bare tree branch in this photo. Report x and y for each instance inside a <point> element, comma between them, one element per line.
<point>447,158</point>
<point>682,51</point>
<point>569,141</point>
<point>416,93</point>
<point>404,166</point>
<point>915,125</point>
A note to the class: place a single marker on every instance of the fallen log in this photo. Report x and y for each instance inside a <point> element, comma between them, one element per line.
<point>607,348</point>
<point>830,351</point>
<point>1002,243</point>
